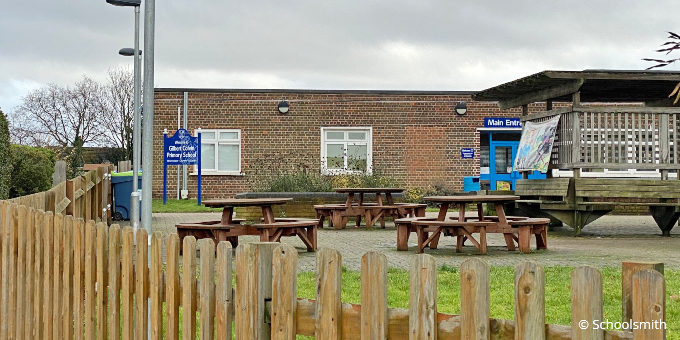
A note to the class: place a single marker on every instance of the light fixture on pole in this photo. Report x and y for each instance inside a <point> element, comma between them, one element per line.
<point>461,108</point>
<point>137,128</point>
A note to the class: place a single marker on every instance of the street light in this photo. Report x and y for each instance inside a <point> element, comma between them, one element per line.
<point>137,128</point>
<point>128,52</point>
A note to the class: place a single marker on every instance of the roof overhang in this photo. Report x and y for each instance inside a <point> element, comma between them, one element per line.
<point>593,85</point>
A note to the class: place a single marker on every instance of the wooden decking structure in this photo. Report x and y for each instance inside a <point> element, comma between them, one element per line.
<point>613,120</point>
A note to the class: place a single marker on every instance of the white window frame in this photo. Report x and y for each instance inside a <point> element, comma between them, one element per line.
<point>369,149</point>
<point>217,142</point>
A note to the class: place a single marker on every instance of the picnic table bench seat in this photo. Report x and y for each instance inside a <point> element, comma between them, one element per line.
<point>461,229</point>
<point>305,229</point>
<point>528,227</point>
<point>372,212</point>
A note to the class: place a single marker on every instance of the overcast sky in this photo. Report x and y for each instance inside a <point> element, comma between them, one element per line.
<point>349,44</point>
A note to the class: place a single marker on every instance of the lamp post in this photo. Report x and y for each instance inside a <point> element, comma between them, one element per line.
<point>147,162</point>
<point>137,128</point>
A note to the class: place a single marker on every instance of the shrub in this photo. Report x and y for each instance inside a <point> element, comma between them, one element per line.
<point>296,182</point>
<point>5,156</point>
<point>32,170</point>
<point>364,181</point>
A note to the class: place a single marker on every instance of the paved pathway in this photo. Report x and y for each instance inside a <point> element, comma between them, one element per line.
<point>605,242</point>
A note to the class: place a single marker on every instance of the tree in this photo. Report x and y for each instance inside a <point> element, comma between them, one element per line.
<point>119,103</point>
<point>90,112</point>
<point>61,115</point>
<point>32,170</point>
<point>673,44</point>
<point>5,155</point>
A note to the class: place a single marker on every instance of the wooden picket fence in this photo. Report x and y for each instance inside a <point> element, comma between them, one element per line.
<point>88,196</point>
<point>64,278</point>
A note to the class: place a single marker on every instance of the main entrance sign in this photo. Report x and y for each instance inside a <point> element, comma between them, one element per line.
<point>181,149</point>
<point>501,122</point>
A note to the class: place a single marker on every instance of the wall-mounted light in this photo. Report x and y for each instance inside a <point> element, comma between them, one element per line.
<point>461,108</point>
<point>283,107</point>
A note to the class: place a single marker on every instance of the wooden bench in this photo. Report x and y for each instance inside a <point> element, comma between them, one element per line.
<point>304,228</point>
<point>404,230</point>
<point>531,226</point>
<point>338,213</point>
<point>661,196</point>
<point>461,230</point>
<point>209,229</point>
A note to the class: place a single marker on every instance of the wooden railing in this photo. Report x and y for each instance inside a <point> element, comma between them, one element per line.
<point>643,138</point>
<point>63,278</point>
<point>88,197</point>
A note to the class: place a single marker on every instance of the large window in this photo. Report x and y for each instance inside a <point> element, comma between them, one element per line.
<point>346,150</point>
<point>220,152</point>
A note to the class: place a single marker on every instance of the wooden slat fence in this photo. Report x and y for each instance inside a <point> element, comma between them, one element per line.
<point>87,197</point>
<point>62,277</point>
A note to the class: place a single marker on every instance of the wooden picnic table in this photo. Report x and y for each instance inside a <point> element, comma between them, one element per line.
<point>270,230</point>
<point>351,192</point>
<point>501,224</point>
<point>371,211</point>
<point>229,204</point>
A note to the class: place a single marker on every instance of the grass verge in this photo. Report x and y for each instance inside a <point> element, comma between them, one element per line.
<point>180,206</point>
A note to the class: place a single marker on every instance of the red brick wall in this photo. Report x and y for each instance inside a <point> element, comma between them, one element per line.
<point>416,137</point>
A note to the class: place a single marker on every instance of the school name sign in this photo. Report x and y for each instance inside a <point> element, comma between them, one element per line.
<point>181,149</point>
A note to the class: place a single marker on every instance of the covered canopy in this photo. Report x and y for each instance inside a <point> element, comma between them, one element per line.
<point>594,86</point>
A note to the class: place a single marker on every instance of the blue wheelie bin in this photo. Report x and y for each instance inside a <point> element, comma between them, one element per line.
<point>122,188</point>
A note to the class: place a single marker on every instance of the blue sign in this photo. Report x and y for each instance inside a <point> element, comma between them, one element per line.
<point>467,153</point>
<point>501,122</point>
<point>181,149</point>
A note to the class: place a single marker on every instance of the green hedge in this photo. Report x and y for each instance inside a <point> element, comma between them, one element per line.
<point>5,155</point>
<point>32,170</point>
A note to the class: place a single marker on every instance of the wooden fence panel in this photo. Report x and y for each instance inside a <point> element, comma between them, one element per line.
<point>284,292</point>
<point>649,305</point>
<point>529,301</point>
<point>423,298</point>
<point>4,287</point>
<point>90,279</point>
<point>155,287</point>
<point>127,284</point>
<point>474,299</point>
<point>328,290</point>
<point>172,288</point>
<point>207,287</point>
<point>78,277</point>
<point>189,287</point>
<point>36,322</point>
<point>48,277</point>
<point>114,282</point>
<point>56,276</point>
<point>102,278</point>
<point>253,288</point>
<point>586,302</point>
<point>22,215</point>
<point>373,296</point>
<point>141,280</point>
<point>66,278</point>
<point>628,269</point>
<point>223,291</point>
<point>27,299</point>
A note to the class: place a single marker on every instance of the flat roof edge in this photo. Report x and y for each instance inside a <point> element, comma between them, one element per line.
<point>309,91</point>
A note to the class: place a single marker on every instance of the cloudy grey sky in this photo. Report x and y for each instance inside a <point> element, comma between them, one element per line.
<point>350,44</point>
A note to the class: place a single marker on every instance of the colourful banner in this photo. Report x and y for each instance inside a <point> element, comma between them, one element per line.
<point>535,146</point>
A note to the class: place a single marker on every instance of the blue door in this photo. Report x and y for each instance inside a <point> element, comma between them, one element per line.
<point>502,156</point>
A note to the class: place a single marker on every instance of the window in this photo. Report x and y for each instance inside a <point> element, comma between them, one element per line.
<point>220,152</point>
<point>346,150</point>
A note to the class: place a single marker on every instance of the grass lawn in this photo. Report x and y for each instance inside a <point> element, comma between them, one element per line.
<point>180,206</point>
<point>557,293</point>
